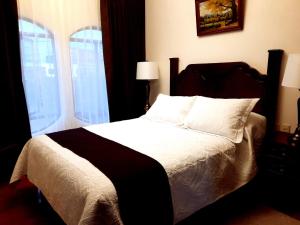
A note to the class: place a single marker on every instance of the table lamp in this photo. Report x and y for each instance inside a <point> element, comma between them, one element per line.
<point>291,79</point>
<point>147,71</point>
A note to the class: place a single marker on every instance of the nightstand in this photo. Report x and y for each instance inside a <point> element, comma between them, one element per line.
<point>280,170</point>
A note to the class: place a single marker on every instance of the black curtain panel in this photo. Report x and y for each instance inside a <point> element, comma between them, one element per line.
<point>123,30</point>
<point>15,128</point>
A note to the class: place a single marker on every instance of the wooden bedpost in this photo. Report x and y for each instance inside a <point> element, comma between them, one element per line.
<point>273,72</point>
<point>174,63</point>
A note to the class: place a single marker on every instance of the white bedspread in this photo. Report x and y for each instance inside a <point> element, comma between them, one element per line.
<point>201,169</point>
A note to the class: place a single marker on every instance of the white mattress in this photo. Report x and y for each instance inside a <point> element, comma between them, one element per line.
<point>201,169</point>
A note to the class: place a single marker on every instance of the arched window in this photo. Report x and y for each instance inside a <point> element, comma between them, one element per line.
<point>88,76</point>
<point>39,69</point>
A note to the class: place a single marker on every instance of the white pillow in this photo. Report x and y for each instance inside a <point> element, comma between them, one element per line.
<point>172,109</point>
<point>223,117</point>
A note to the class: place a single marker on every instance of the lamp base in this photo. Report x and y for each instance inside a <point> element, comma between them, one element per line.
<point>147,104</point>
<point>147,107</point>
<point>294,139</point>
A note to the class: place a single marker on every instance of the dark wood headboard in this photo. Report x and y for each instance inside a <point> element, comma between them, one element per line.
<point>231,80</point>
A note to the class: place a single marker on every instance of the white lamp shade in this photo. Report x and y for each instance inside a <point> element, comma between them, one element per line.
<point>291,76</point>
<point>147,71</point>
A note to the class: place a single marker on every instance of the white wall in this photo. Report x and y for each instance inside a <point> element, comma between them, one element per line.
<point>269,24</point>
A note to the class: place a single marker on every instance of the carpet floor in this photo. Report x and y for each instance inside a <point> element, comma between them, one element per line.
<point>19,206</point>
<point>262,215</point>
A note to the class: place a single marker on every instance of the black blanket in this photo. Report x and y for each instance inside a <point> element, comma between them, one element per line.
<point>141,182</point>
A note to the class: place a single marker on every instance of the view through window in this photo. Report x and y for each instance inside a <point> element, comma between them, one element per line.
<point>39,69</point>
<point>88,76</point>
<point>42,77</point>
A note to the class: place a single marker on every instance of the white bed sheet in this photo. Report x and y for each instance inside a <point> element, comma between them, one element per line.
<point>201,169</point>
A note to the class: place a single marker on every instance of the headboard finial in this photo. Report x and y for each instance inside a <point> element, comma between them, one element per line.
<point>174,65</point>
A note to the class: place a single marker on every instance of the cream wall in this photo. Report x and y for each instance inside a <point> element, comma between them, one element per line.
<point>268,24</point>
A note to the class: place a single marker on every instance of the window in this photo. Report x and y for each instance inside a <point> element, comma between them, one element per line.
<point>88,76</point>
<point>42,82</point>
<point>40,78</point>
<point>62,64</point>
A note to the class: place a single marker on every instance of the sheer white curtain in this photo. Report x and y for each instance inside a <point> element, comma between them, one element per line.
<point>62,63</point>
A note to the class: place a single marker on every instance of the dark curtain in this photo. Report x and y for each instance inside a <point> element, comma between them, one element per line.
<point>15,128</point>
<point>123,30</point>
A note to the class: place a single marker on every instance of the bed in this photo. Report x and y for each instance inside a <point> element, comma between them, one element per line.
<point>202,162</point>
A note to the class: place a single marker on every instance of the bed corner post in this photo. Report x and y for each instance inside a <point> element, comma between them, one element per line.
<point>174,62</point>
<point>273,72</point>
<point>274,62</point>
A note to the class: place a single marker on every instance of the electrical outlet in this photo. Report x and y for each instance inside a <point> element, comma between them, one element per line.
<point>285,128</point>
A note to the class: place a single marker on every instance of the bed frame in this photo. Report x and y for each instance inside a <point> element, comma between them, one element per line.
<point>231,80</point>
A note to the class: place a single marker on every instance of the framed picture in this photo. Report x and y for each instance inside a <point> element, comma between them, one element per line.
<point>216,16</point>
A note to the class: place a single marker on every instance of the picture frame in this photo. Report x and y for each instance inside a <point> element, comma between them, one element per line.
<point>217,16</point>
